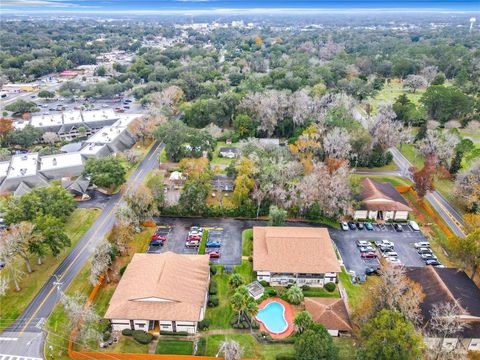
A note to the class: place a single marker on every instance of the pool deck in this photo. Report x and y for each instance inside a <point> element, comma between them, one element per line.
<point>288,318</point>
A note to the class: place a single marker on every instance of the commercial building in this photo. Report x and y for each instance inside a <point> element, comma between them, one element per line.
<point>161,292</point>
<point>381,201</point>
<point>294,255</point>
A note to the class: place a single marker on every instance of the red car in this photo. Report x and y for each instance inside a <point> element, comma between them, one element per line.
<point>368,255</point>
<point>120,110</point>
<point>214,255</point>
<point>194,238</point>
<point>159,237</point>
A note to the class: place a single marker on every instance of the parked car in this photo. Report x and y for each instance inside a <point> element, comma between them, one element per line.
<point>360,226</point>
<point>368,255</point>
<point>422,244</point>
<point>390,254</point>
<point>394,261</point>
<point>192,244</point>
<point>193,238</point>
<point>361,243</point>
<point>385,243</point>
<point>126,107</point>
<point>369,226</point>
<point>424,251</point>
<point>344,226</point>
<point>213,244</point>
<point>351,225</point>
<point>426,257</point>
<point>361,279</point>
<point>120,110</point>
<point>414,225</point>
<point>367,248</point>
<point>398,227</point>
<point>371,271</point>
<point>195,233</point>
<point>432,262</point>
<point>159,237</point>
<point>196,228</point>
<point>214,255</point>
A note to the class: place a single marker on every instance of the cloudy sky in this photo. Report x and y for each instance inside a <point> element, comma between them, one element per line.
<point>228,5</point>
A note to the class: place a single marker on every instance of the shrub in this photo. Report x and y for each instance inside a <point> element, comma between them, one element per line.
<point>172,333</point>
<point>142,337</point>
<point>122,270</point>
<point>213,301</point>
<point>285,357</point>
<point>330,286</point>
<point>255,325</point>
<point>204,324</point>
<point>212,289</point>
<point>271,292</point>
<point>306,287</point>
<point>106,335</point>
<point>213,270</point>
<point>264,283</point>
<point>250,258</point>
<point>127,332</point>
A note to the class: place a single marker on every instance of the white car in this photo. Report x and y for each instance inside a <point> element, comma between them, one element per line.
<point>390,254</point>
<point>414,225</point>
<point>422,244</point>
<point>393,261</point>
<point>384,244</point>
<point>362,243</point>
<point>344,226</point>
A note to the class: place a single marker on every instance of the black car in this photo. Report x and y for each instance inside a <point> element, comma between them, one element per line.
<point>398,227</point>
<point>352,225</point>
<point>360,226</point>
<point>432,262</point>
<point>371,271</point>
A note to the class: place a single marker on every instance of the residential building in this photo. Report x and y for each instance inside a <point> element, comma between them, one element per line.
<point>331,313</point>
<point>161,292</point>
<point>294,255</point>
<point>228,152</point>
<point>441,285</point>
<point>381,201</point>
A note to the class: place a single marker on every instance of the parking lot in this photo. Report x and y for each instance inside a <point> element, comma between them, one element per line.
<point>227,232</point>
<point>346,244</point>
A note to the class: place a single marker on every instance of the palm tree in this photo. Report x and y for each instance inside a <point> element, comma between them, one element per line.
<point>302,321</point>
<point>231,350</point>
<point>251,310</point>
<point>294,295</point>
<point>238,300</point>
<point>235,280</point>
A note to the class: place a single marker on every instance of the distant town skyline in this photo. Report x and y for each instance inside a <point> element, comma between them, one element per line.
<point>227,6</point>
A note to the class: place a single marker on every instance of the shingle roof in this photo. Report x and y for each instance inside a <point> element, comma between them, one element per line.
<point>293,250</point>
<point>449,285</point>
<point>164,286</point>
<point>330,312</point>
<point>382,197</point>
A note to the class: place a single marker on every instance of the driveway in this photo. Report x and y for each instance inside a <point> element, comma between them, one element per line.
<point>346,244</point>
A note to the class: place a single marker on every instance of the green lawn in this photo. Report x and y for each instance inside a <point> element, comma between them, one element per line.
<point>393,90</point>
<point>57,323</point>
<point>246,341</point>
<point>394,180</point>
<point>13,303</point>
<point>216,159</point>
<point>247,242</point>
<point>355,292</point>
<point>409,151</point>
<point>221,315</point>
<point>389,167</point>
<point>321,292</point>
<point>177,347</point>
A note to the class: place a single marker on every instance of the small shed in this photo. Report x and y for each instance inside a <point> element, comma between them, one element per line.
<point>256,290</point>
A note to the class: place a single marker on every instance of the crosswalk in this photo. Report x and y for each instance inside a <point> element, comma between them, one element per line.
<point>16,357</point>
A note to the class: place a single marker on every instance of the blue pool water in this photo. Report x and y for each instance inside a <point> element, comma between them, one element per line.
<point>273,317</point>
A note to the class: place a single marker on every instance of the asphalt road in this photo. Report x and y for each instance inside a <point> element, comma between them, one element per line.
<point>25,337</point>
<point>448,213</point>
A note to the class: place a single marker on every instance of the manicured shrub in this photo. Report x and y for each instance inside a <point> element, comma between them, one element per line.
<point>213,301</point>
<point>204,324</point>
<point>330,286</point>
<point>127,332</point>
<point>250,258</point>
<point>106,335</point>
<point>264,283</point>
<point>213,270</point>
<point>142,337</point>
<point>255,325</point>
<point>271,292</point>
<point>212,289</point>
<point>306,287</point>
<point>172,333</point>
<point>122,270</point>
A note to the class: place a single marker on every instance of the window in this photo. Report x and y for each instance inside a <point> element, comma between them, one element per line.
<point>141,325</point>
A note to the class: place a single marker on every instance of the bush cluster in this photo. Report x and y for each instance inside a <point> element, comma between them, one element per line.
<point>213,301</point>
<point>330,286</point>
<point>212,289</point>
<point>204,324</point>
<point>244,323</point>
<point>142,336</point>
<point>173,333</point>
<point>127,332</point>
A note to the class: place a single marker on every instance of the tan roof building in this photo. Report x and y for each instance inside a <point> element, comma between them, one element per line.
<point>330,312</point>
<point>382,196</point>
<point>293,250</point>
<point>168,286</point>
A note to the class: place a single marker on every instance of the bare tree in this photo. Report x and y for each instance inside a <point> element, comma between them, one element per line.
<point>385,131</point>
<point>438,144</point>
<point>141,204</point>
<point>166,101</point>
<point>467,187</point>
<point>445,321</point>
<point>429,73</point>
<point>50,138</point>
<point>230,349</point>
<point>101,261</point>
<point>122,232</point>
<point>336,143</point>
<point>302,107</point>
<point>415,82</point>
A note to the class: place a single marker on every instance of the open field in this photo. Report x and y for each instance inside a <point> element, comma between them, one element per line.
<point>13,303</point>
<point>391,91</point>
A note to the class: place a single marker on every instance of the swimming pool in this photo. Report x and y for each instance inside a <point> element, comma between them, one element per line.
<point>273,317</point>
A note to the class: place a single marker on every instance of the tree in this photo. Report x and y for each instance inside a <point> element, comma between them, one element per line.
<point>445,322</point>
<point>140,202</point>
<point>429,73</point>
<point>277,216</point>
<point>230,349</point>
<point>22,106</point>
<point>50,138</point>
<point>423,179</point>
<point>244,126</point>
<point>446,103</point>
<point>100,71</point>
<point>244,182</point>
<point>120,235</point>
<point>385,130</point>
<point>303,321</point>
<point>467,250</point>
<point>107,172</point>
<point>235,280</point>
<point>389,336</point>
<point>156,184</point>
<point>407,111</point>
<point>53,231</point>
<point>24,137</point>
<point>294,295</point>
<point>415,82</point>
<point>336,143</point>
<point>12,267</point>
<point>467,187</point>
<point>439,145</point>
<point>101,261</point>
<point>45,94</point>
<point>6,127</point>
<point>315,343</point>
